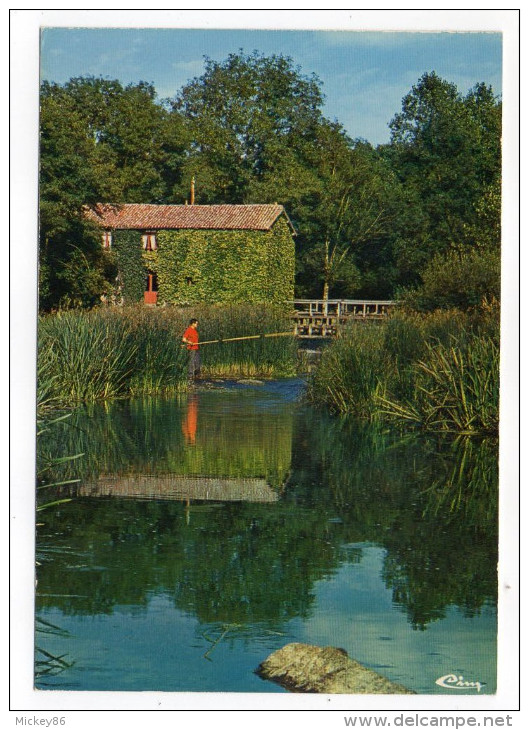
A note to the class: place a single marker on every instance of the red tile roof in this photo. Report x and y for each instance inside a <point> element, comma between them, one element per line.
<point>143,216</point>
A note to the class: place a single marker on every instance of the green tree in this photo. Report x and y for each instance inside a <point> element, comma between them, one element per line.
<point>354,218</point>
<point>72,174</point>
<point>99,142</point>
<point>446,151</point>
<point>331,265</point>
<point>462,279</point>
<point>134,135</point>
<point>248,118</point>
<point>259,136</point>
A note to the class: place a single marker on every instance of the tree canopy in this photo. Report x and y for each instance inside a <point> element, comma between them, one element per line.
<point>252,129</point>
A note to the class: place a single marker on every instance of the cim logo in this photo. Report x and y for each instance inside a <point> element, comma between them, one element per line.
<point>454,681</point>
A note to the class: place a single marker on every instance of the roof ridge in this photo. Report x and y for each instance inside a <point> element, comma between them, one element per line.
<point>194,205</point>
<point>216,216</point>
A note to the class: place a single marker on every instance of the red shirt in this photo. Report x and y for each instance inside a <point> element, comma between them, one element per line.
<point>191,334</point>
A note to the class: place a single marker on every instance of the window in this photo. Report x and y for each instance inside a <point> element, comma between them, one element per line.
<point>107,239</point>
<point>148,240</point>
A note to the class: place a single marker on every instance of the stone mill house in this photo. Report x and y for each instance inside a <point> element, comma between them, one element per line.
<point>184,254</point>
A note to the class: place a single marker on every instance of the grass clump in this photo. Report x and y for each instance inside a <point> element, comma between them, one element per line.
<point>456,388</point>
<point>100,354</point>
<point>438,371</point>
<point>347,377</point>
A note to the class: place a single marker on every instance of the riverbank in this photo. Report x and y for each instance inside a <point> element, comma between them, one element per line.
<point>437,371</point>
<point>104,353</point>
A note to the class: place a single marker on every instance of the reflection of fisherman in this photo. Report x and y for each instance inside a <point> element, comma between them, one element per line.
<point>190,338</point>
<point>189,424</point>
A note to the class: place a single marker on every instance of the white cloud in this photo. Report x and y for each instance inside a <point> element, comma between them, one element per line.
<point>188,68</point>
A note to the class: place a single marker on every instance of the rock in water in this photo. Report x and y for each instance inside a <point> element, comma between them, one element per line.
<point>306,668</point>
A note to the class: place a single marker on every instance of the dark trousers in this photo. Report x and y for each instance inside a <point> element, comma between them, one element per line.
<point>193,366</point>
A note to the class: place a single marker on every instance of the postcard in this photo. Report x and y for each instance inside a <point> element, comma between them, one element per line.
<point>258,260</point>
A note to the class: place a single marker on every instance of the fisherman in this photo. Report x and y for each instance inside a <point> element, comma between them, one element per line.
<point>190,339</point>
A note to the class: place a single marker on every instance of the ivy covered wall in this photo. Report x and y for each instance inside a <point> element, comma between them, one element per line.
<point>210,265</point>
<point>226,266</point>
<point>129,257</point>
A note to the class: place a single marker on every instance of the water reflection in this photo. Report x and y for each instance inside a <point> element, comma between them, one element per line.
<point>235,505</point>
<point>431,503</point>
<point>216,446</point>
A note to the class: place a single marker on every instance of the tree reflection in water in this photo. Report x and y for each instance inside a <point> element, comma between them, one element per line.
<point>431,504</point>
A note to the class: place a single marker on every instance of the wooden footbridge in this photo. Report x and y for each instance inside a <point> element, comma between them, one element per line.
<point>325,317</point>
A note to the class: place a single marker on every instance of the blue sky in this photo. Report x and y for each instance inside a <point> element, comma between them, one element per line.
<point>365,74</point>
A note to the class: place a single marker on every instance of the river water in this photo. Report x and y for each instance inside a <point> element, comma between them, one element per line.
<point>209,529</point>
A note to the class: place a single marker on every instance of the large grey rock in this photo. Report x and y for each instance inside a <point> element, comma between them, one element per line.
<point>306,668</point>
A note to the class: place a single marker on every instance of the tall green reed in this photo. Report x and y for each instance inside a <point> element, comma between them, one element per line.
<point>438,371</point>
<point>93,356</point>
<point>456,388</point>
<point>105,353</point>
<point>273,356</point>
<point>348,373</point>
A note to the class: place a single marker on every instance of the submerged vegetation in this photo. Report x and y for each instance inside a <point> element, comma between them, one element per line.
<point>105,353</point>
<point>439,371</point>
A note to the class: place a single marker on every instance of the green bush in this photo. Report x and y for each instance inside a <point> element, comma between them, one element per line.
<point>439,371</point>
<point>462,280</point>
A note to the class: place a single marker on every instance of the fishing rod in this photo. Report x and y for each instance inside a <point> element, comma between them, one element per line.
<point>247,337</point>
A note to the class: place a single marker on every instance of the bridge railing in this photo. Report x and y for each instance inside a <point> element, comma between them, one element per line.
<point>323,317</point>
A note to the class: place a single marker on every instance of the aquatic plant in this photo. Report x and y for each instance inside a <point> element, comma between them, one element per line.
<point>348,374</point>
<point>439,371</point>
<point>456,388</point>
<point>105,353</point>
<point>274,356</point>
<point>93,356</point>
<point>47,664</point>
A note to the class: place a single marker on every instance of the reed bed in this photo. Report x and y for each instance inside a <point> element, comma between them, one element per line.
<point>347,376</point>
<point>85,356</point>
<point>439,371</point>
<point>456,389</point>
<point>267,357</point>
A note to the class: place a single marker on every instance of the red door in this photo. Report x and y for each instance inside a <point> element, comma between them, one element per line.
<point>151,293</point>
